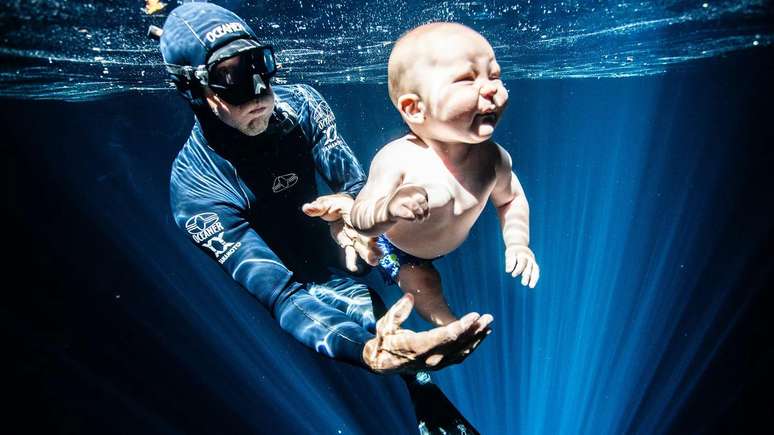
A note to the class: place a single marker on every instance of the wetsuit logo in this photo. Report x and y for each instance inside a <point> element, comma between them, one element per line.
<point>224,29</point>
<point>220,247</point>
<point>284,182</point>
<point>203,225</point>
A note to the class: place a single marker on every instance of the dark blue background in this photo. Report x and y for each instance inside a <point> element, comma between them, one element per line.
<point>651,217</point>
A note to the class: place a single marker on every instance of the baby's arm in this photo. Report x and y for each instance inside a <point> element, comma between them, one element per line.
<point>513,210</point>
<point>384,200</point>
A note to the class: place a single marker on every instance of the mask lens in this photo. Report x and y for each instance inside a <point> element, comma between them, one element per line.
<point>269,63</point>
<point>230,72</point>
<point>232,78</point>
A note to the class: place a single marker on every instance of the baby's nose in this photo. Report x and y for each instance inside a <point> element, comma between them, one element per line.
<point>488,89</point>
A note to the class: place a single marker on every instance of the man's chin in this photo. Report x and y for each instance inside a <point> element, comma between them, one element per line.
<point>254,128</point>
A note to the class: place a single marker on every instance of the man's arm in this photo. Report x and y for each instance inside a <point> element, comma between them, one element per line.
<point>333,158</point>
<point>513,210</point>
<point>209,207</point>
<point>338,166</point>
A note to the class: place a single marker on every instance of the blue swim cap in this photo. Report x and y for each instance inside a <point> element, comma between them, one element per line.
<point>193,32</point>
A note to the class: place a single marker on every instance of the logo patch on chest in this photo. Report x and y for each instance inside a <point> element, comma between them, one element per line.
<point>284,182</point>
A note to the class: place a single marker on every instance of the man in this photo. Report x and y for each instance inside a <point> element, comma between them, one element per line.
<point>237,189</point>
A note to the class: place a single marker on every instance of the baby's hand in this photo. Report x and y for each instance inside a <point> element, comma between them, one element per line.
<point>521,260</point>
<point>408,202</point>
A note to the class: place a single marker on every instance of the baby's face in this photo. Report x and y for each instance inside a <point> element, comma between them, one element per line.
<point>461,88</point>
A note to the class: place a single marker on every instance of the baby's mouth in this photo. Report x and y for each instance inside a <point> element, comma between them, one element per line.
<point>488,118</point>
<point>485,124</point>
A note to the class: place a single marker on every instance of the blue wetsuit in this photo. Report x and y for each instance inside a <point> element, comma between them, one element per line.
<point>239,199</point>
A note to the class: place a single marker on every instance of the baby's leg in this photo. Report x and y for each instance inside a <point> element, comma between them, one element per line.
<point>424,282</point>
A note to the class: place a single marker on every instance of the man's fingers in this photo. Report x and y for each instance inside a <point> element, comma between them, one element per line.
<point>328,207</point>
<point>465,322</point>
<point>351,232</point>
<point>446,334</point>
<point>434,360</point>
<point>397,314</point>
<point>312,209</point>
<point>469,336</point>
<point>343,239</point>
<point>370,254</point>
<point>439,347</point>
<point>366,246</point>
<point>351,258</point>
<point>483,323</point>
<point>459,355</point>
<point>520,265</point>
<point>533,279</point>
<point>429,342</point>
<point>527,271</point>
<point>477,340</point>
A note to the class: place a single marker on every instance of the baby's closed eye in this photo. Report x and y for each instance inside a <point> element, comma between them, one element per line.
<point>464,78</point>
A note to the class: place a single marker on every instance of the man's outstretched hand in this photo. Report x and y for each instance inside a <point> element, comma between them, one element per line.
<point>335,209</point>
<point>397,350</point>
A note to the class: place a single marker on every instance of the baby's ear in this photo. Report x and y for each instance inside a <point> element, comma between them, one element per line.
<point>411,108</point>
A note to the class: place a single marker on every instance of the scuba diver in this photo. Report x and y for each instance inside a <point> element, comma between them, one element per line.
<point>243,189</point>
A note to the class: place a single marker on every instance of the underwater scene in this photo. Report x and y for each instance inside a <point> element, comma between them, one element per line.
<point>641,133</point>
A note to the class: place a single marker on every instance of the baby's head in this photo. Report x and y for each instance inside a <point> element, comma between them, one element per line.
<point>445,82</point>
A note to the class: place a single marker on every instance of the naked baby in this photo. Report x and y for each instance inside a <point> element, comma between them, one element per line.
<point>427,189</point>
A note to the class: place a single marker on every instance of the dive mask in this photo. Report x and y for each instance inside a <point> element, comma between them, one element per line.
<point>241,77</point>
<point>237,73</point>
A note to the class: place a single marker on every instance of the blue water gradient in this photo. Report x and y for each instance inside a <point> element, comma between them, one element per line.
<point>650,218</point>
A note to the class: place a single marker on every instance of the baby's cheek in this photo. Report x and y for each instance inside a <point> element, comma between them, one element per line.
<point>460,104</point>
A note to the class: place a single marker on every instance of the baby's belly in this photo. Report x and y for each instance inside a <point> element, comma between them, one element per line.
<point>440,234</point>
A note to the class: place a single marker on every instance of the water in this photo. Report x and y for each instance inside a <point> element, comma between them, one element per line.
<point>77,50</point>
<point>649,182</point>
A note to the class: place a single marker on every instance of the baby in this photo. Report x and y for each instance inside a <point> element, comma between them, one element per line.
<point>426,189</point>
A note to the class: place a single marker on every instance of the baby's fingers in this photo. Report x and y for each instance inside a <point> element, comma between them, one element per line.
<point>527,271</point>
<point>404,212</point>
<point>533,279</point>
<point>424,207</point>
<point>510,262</point>
<point>420,211</point>
<point>520,265</point>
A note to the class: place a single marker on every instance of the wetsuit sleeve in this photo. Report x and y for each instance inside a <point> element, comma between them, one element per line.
<point>211,211</point>
<point>334,159</point>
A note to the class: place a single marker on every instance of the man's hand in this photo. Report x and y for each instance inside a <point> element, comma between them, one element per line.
<point>521,260</point>
<point>335,210</point>
<point>408,202</point>
<point>397,350</point>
